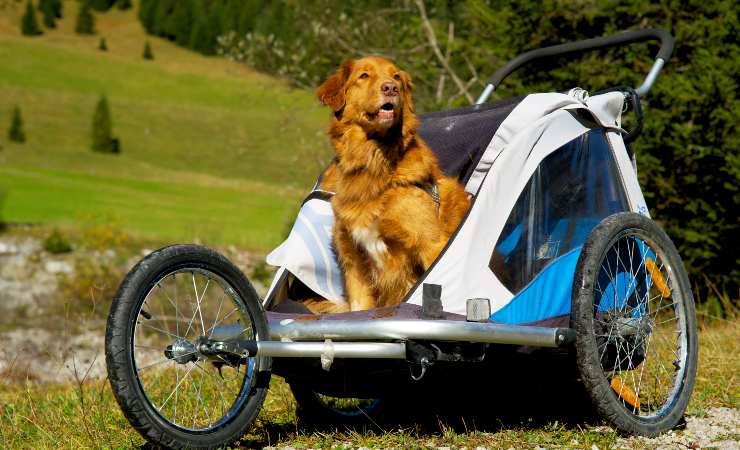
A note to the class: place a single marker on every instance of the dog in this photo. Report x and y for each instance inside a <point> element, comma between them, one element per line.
<point>394,208</point>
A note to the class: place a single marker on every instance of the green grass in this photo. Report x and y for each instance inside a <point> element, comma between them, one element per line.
<point>174,211</point>
<point>86,415</point>
<point>211,150</point>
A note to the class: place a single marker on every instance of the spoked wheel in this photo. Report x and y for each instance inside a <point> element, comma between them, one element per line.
<point>636,338</point>
<point>175,395</point>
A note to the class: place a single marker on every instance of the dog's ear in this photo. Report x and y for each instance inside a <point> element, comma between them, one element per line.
<point>331,92</point>
<point>408,86</point>
<point>410,122</point>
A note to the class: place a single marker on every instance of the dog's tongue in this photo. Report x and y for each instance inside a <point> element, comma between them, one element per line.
<point>385,115</point>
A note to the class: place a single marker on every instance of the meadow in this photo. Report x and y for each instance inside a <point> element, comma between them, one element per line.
<point>211,151</point>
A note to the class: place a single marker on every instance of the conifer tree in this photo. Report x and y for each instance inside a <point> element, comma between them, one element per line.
<point>148,51</point>
<point>103,46</point>
<point>57,7</point>
<point>102,134</point>
<point>48,10</point>
<point>85,19</point>
<point>16,133</point>
<point>29,24</point>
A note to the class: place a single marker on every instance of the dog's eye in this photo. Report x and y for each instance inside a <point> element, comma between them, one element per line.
<point>397,77</point>
<point>364,75</point>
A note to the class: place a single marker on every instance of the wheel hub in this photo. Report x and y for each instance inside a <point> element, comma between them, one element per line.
<point>182,351</point>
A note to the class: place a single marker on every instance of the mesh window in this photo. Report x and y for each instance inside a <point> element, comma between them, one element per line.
<point>570,192</point>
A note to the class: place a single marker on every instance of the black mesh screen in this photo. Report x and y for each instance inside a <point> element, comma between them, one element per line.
<point>570,192</point>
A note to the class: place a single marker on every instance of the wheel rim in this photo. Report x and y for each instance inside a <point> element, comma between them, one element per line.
<point>640,325</point>
<point>181,385</point>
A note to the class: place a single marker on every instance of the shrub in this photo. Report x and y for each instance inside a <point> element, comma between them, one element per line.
<point>85,19</point>
<point>29,24</point>
<point>56,243</point>
<point>102,5</point>
<point>147,51</point>
<point>16,133</point>
<point>124,4</point>
<point>103,46</point>
<point>48,9</point>
<point>102,134</point>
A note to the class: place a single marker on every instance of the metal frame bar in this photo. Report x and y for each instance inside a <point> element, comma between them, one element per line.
<point>366,350</point>
<point>349,338</point>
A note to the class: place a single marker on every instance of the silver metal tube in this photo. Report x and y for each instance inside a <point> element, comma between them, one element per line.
<point>432,330</point>
<point>485,94</point>
<point>651,76</point>
<point>384,350</point>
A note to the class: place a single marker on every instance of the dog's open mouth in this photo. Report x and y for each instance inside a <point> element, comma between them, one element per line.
<point>386,112</point>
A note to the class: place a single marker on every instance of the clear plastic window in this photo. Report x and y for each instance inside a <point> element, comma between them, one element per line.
<point>570,192</point>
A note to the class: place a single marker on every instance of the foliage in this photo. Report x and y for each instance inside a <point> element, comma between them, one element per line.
<point>102,45</point>
<point>102,133</point>
<point>29,24</point>
<point>85,19</point>
<point>689,166</point>
<point>102,5</point>
<point>16,133</point>
<point>54,5</point>
<point>147,54</point>
<point>56,243</point>
<point>49,9</point>
<point>124,4</point>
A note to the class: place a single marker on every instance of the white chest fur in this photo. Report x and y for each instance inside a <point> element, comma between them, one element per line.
<point>369,239</point>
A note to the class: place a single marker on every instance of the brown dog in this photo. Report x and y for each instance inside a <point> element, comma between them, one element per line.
<point>394,209</point>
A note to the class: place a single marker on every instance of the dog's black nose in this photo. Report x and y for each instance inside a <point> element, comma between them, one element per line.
<point>389,89</point>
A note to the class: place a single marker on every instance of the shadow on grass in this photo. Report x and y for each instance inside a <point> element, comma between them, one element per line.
<point>527,393</point>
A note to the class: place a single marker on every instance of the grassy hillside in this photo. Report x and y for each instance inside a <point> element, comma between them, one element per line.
<point>211,150</point>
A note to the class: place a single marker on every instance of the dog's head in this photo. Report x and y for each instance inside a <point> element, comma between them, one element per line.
<point>373,93</point>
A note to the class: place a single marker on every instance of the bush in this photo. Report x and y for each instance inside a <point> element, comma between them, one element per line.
<point>124,4</point>
<point>48,9</point>
<point>56,243</point>
<point>103,46</point>
<point>85,19</point>
<point>29,24</point>
<point>147,51</point>
<point>16,133</point>
<point>102,5</point>
<point>102,134</point>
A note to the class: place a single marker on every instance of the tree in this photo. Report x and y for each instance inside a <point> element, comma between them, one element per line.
<point>101,5</point>
<point>148,51</point>
<point>29,24</point>
<point>49,11</point>
<point>57,7</point>
<point>85,20</point>
<point>102,133</point>
<point>16,133</point>
<point>124,4</point>
<point>103,46</point>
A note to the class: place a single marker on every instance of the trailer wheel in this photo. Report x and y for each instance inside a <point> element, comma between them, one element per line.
<point>170,392</point>
<point>635,322</point>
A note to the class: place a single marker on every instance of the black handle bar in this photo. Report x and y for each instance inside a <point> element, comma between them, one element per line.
<point>666,48</point>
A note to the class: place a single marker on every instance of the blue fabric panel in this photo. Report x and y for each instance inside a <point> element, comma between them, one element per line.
<point>547,295</point>
<point>507,244</point>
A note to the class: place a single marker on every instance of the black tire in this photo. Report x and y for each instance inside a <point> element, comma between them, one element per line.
<point>314,408</point>
<point>620,338</point>
<point>131,385</point>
